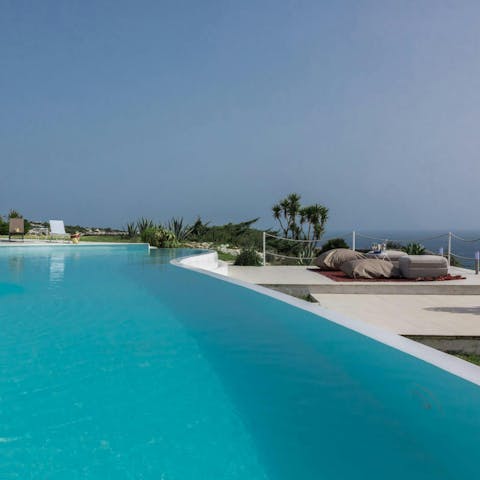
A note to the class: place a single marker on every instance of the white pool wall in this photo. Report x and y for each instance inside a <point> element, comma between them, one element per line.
<point>207,261</point>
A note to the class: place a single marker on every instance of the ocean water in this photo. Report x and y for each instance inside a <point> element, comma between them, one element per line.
<point>115,364</point>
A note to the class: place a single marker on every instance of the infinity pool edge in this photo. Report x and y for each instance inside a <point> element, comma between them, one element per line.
<point>204,263</point>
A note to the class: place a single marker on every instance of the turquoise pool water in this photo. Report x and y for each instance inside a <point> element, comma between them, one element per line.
<point>115,364</point>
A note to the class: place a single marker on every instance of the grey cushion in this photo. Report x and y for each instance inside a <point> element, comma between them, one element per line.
<point>395,255</point>
<point>392,255</point>
<point>370,268</point>
<point>417,266</point>
<point>334,259</point>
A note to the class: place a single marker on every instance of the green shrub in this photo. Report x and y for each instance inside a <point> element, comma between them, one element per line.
<point>237,234</point>
<point>3,227</point>
<point>454,262</point>
<point>14,214</point>
<point>159,237</point>
<point>248,257</point>
<point>165,238</point>
<point>147,235</point>
<point>393,245</point>
<point>333,243</point>
<point>75,229</point>
<point>226,257</point>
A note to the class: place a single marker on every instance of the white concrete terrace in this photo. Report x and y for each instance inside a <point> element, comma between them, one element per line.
<point>444,308</point>
<point>318,283</point>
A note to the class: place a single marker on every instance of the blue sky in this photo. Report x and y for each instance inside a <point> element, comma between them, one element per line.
<point>114,110</point>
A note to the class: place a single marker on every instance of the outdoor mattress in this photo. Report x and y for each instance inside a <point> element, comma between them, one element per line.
<point>370,268</point>
<point>334,259</point>
<point>418,266</point>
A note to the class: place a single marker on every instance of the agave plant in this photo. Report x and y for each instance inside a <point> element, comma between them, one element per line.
<point>131,228</point>
<point>144,223</point>
<point>414,249</point>
<point>181,231</point>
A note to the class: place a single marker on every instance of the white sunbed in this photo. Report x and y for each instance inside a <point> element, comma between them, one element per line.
<point>57,230</point>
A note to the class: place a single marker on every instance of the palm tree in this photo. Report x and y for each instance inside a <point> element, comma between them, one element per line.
<point>286,212</point>
<point>315,216</point>
<point>300,223</point>
<point>277,215</point>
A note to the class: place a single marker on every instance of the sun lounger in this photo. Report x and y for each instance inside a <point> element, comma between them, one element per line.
<point>57,230</point>
<point>16,227</point>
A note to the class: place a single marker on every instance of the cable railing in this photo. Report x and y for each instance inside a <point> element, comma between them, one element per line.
<point>402,240</point>
<point>456,255</point>
<point>267,234</point>
<point>308,247</point>
<point>468,240</point>
<point>287,239</point>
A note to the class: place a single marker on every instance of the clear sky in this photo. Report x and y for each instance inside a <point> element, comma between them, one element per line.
<point>114,110</point>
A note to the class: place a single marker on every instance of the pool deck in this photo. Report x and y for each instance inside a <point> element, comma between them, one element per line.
<point>412,315</point>
<point>318,283</point>
<point>443,309</point>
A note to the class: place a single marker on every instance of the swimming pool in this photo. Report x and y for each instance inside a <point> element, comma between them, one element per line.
<point>115,364</point>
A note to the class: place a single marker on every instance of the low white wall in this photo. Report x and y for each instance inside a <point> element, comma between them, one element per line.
<point>206,261</point>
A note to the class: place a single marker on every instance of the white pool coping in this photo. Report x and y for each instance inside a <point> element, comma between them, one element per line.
<point>205,262</point>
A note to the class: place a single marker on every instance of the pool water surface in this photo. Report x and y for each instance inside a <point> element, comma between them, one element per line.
<point>115,364</point>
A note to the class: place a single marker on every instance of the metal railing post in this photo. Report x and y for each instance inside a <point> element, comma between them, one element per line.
<point>264,250</point>
<point>449,252</point>
<point>477,262</point>
<point>353,240</point>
